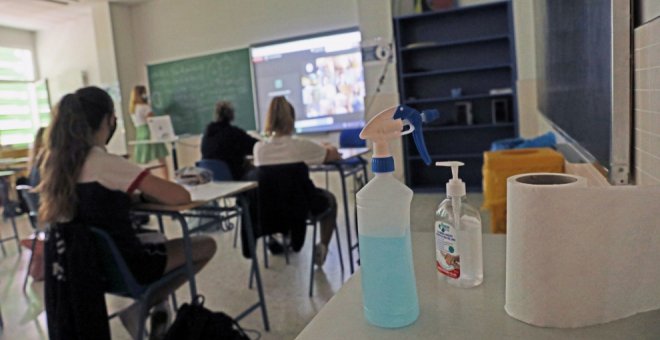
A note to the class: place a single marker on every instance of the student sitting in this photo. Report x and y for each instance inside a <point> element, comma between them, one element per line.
<point>82,185</point>
<point>228,143</point>
<point>283,148</point>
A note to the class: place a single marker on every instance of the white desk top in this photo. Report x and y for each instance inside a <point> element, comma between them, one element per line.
<point>139,142</point>
<point>10,161</point>
<point>201,194</point>
<point>453,313</point>
<point>347,153</point>
<point>6,173</point>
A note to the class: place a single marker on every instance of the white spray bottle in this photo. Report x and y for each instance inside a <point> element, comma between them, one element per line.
<point>389,292</point>
<point>458,249</point>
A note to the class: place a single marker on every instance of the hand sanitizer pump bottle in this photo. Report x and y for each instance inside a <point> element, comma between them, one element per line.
<point>389,293</point>
<point>458,235</point>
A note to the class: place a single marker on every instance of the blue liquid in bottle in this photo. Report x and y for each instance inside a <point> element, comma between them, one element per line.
<point>388,281</point>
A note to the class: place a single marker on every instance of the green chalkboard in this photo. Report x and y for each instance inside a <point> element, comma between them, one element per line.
<point>188,89</point>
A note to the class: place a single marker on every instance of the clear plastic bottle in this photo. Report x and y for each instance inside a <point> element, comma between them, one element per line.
<point>389,292</point>
<point>459,257</point>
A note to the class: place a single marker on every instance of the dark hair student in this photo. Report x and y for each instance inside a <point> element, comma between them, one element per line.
<point>83,185</point>
<point>228,143</point>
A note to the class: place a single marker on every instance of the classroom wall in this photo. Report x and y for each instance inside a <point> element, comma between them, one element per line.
<point>18,38</point>
<point>647,103</point>
<point>67,48</point>
<point>375,18</point>
<point>122,29</point>
<point>163,30</point>
<point>80,52</point>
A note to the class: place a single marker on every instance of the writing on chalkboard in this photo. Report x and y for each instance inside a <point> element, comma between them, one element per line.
<point>188,89</point>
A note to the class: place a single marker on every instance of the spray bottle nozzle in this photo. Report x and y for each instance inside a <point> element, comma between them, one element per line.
<point>455,186</point>
<point>414,119</point>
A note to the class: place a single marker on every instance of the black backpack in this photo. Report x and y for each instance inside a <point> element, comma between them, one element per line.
<point>194,322</point>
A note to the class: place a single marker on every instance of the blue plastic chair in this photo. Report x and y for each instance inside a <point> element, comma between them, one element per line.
<point>351,139</point>
<point>221,172</point>
<point>219,168</point>
<point>120,281</point>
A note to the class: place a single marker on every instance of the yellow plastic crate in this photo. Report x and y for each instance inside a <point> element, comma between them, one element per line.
<point>500,165</point>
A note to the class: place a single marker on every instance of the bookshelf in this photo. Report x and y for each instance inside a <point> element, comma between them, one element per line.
<point>452,60</point>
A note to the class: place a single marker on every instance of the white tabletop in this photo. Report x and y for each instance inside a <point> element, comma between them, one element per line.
<point>447,312</point>
<point>347,153</point>
<point>215,190</point>
<point>6,173</point>
<point>10,161</point>
<point>140,142</point>
<point>201,194</point>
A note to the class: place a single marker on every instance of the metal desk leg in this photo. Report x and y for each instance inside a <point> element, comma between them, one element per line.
<point>347,217</point>
<point>188,251</point>
<point>160,223</point>
<point>255,262</point>
<point>159,217</point>
<point>175,161</point>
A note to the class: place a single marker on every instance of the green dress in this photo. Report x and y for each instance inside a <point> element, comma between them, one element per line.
<point>145,153</point>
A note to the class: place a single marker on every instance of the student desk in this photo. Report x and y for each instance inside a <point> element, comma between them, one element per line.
<point>456,313</point>
<point>201,195</point>
<point>13,163</point>
<point>346,154</point>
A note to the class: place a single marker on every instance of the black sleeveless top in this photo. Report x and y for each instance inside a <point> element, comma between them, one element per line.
<point>103,190</point>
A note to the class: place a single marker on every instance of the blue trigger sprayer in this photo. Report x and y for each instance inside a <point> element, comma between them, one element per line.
<point>383,206</point>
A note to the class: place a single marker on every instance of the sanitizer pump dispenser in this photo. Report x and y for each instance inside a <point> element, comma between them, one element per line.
<point>458,235</point>
<point>389,293</point>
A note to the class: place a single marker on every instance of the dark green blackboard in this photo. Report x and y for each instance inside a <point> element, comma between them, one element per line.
<point>188,89</point>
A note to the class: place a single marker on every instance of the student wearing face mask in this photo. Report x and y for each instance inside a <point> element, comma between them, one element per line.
<point>140,110</point>
<point>83,186</point>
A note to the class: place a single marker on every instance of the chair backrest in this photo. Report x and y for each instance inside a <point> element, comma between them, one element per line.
<point>285,192</point>
<point>219,168</point>
<point>118,277</point>
<point>350,138</point>
<point>31,199</point>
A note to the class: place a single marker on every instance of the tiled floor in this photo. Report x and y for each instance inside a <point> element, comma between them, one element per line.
<point>223,282</point>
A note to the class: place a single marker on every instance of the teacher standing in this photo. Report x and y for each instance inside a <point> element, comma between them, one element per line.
<point>140,111</point>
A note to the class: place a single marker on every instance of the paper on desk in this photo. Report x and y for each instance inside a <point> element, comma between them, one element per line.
<point>579,255</point>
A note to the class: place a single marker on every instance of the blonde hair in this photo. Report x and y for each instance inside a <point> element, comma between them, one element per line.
<point>136,98</point>
<point>280,117</point>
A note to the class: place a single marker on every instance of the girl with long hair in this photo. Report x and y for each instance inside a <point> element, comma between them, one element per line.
<point>140,110</point>
<point>84,184</point>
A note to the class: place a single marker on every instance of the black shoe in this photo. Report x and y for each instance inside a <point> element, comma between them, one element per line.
<point>275,247</point>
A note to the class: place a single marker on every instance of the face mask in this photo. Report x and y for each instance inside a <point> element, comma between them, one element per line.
<point>145,98</point>
<point>113,127</point>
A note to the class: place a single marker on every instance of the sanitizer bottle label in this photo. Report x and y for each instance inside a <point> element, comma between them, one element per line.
<point>447,256</point>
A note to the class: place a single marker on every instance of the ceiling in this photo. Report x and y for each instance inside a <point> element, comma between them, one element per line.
<point>36,15</point>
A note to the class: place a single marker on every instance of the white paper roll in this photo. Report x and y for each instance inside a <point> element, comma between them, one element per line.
<point>578,255</point>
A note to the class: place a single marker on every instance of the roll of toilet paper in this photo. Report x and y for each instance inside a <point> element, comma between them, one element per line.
<point>579,255</point>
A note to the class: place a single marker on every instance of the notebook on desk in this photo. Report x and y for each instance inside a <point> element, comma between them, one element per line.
<point>160,128</point>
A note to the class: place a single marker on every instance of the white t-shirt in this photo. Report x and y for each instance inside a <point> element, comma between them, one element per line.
<point>111,171</point>
<point>140,115</point>
<point>287,149</point>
